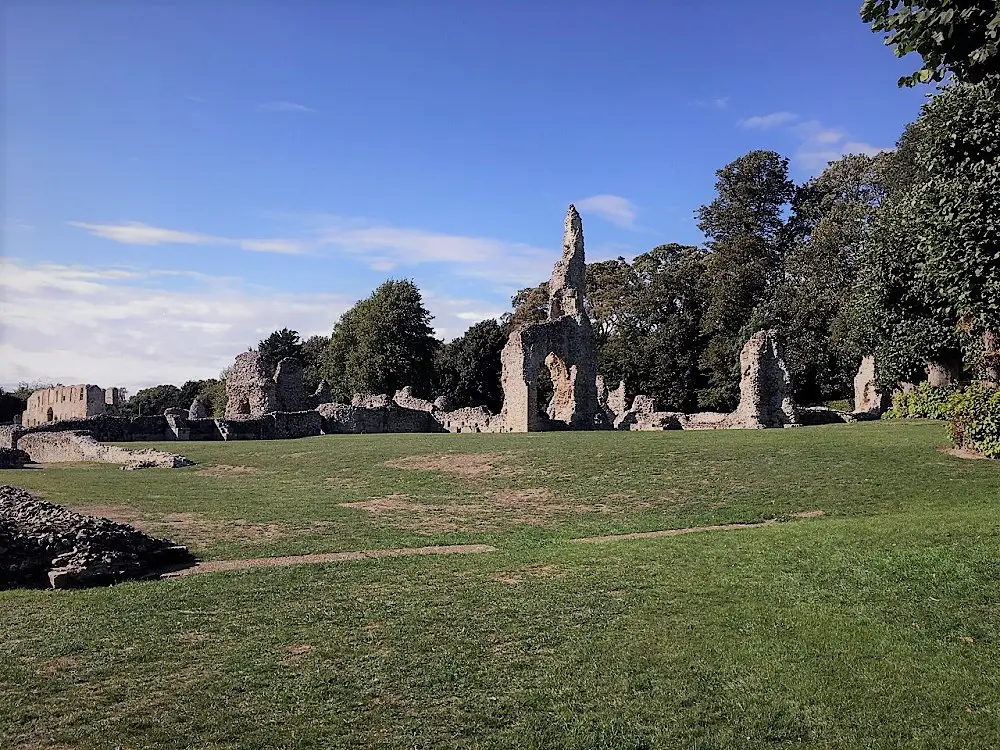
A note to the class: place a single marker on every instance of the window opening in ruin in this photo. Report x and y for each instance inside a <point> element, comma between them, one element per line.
<point>48,415</point>
<point>243,407</point>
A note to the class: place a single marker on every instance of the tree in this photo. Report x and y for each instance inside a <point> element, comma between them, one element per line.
<point>747,240</point>
<point>155,400</point>
<point>610,285</point>
<point>382,343</point>
<point>951,36</point>
<point>831,219</point>
<point>932,277</point>
<point>11,406</point>
<point>313,353</point>
<point>468,369</point>
<point>530,305</point>
<point>278,345</point>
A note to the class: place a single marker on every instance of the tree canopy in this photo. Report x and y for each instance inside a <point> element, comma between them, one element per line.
<point>957,36</point>
<point>383,343</point>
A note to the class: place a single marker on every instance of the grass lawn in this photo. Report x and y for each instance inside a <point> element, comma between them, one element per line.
<point>874,625</point>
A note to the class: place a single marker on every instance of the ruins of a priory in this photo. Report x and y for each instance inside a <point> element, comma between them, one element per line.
<point>70,402</point>
<point>262,404</point>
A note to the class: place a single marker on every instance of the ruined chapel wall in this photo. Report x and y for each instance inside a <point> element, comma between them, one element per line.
<point>64,402</point>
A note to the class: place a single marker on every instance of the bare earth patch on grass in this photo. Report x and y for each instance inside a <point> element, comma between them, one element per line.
<point>538,570</point>
<point>533,506</point>
<point>196,528</point>
<point>466,465</point>
<point>966,453</point>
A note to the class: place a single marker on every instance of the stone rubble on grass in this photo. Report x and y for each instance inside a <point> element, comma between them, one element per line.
<point>44,544</point>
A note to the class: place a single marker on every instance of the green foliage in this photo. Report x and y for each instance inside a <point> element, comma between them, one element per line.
<point>974,415</point>
<point>313,355</point>
<point>957,36</point>
<point>530,305</point>
<point>212,392</point>
<point>748,240</point>
<point>930,281</point>
<point>383,343</point>
<point>278,345</point>
<point>925,401</point>
<point>814,304</point>
<point>11,406</point>
<point>467,369</point>
<point>155,400</point>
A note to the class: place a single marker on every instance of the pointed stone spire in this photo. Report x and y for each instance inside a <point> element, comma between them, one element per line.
<point>568,285</point>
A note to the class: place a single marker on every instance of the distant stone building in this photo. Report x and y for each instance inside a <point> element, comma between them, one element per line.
<point>70,402</point>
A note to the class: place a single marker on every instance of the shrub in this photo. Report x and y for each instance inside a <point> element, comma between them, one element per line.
<point>975,419</point>
<point>925,401</point>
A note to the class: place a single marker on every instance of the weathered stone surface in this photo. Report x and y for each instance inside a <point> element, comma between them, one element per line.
<point>612,403</point>
<point>296,424</point>
<point>77,445</point>
<point>42,544</point>
<point>250,390</point>
<point>469,419</point>
<point>13,458</point>
<point>322,395</point>
<point>176,412</point>
<point>643,405</point>
<point>290,388</point>
<point>70,402</point>
<point>815,415</point>
<point>991,356</point>
<point>765,385</point>
<point>867,397</point>
<point>649,421</point>
<point>944,372</point>
<point>404,397</point>
<point>562,349</point>
<point>443,403</point>
<point>198,410</point>
<point>371,400</point>
<point>704,420</point>
<point>347,418</point>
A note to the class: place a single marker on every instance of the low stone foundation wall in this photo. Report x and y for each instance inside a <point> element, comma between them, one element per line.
<point>79,445</point>
<point>42,544</point>
<point>346,418</point>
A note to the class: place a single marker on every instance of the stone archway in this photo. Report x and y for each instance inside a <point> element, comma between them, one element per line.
<point>48,415</point>
<point>561,349</point>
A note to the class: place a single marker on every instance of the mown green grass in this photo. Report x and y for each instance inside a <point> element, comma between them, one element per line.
<point>873,626</point>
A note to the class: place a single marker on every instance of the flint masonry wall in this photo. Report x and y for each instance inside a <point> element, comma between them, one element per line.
<point>69,402</point>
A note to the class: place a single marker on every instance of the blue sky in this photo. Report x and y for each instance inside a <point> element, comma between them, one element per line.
<point>181,179</point>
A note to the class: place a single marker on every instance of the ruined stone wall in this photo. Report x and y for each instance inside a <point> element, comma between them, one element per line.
<point>250,390</point>
<point>561,349</point>
<point>867,397</point>
<point>765,385</point>
<point>78,445</point>
<point>290,388</point>
<point>69,402</point>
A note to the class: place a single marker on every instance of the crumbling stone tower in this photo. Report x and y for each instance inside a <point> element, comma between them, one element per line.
<point>562,348</point>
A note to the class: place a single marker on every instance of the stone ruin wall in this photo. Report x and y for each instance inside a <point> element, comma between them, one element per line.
<point>562,349</point>
<point>78,445</point>
<point>70,402</point>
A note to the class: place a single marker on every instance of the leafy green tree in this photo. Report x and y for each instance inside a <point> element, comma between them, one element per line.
<point>467,369</point>
<point>814,306</point>
<point>747,239</point>
<point>313,353</point>
<point>659,342</point>
<point>957,36</point>
<point>931,282</point>
<point>278,345</point>
<point>382,343</point>
<point>155,400</point>
<point>611,284</point>
<point>11,406</point>
<point>530,305</point>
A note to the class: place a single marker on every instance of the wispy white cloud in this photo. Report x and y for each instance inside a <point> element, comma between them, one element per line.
<point>117,326</point>
<point>137,233</point>
<point>283,106</point>
<point>612,208</point>
<point>715,102</point>
<point>772,120</point>
<point>821,145</point>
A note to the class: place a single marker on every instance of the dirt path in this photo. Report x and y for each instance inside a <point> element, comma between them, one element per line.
<point>690,530</point>
<point>215,566</point>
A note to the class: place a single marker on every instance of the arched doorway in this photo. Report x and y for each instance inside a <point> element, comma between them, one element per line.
<point>48,415</point>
